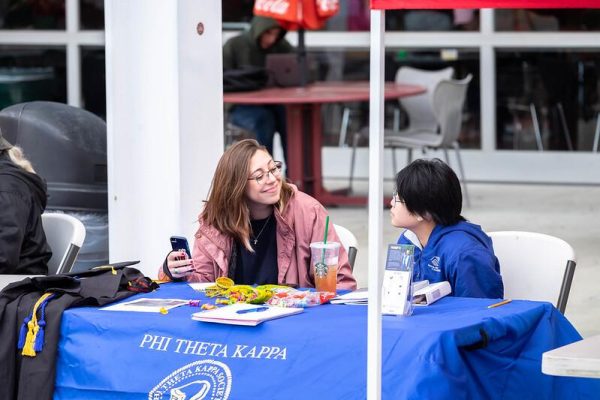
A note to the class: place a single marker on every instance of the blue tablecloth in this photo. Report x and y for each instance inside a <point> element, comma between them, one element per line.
<point>455,348</point>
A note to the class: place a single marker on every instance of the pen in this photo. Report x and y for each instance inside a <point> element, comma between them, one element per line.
<point>503,302</point>
<point>249,310</point>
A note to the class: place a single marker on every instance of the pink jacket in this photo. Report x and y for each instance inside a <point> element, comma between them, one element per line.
<point>301,223</point>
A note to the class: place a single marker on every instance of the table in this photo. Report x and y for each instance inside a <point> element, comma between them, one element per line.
<point>580,359</point>
<point>320,353</point>
<point>304,151</point>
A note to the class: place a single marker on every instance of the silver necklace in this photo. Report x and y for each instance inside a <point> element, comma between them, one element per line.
<point>261,230</point>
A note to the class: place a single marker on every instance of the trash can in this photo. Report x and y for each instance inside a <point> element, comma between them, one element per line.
<point>67,147</point>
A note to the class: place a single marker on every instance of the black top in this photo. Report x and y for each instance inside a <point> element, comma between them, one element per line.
<point>259,267</point>
<point>23,247</point>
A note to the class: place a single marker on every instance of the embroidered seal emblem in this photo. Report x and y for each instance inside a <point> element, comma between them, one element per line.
<point>434,264</point>
<point>200,380</point>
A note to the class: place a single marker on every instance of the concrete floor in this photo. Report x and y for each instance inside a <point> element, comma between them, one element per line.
<point>571,213</point>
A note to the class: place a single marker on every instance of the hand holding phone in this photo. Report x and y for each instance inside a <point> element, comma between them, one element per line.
<point>180,243</point>
<point>179,261</point>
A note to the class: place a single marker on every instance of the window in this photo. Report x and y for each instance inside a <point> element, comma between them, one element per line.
<point>91,14</point>
<point>30,73</point>
<point>547,100</point>
<point>547,20</point>
<point>93,80</point>
<point>35,14</point>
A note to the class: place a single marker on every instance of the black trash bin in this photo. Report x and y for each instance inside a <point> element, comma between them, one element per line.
<point>67,147</point>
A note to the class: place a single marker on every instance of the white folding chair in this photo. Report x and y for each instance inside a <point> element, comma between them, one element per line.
<point>448,99</point>
<point>65,235</point>
<point>349,242</point>
<point>6,279</point>
<point>535,266</point>
<point>419,109</point>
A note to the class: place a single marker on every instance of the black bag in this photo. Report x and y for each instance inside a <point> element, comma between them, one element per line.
<point>245,79</point>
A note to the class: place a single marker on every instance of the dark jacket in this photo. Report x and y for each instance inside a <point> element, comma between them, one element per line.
<point>23,247</point>
<point>244,50</point>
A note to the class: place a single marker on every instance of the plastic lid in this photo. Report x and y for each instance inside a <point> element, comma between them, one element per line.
<point>328,245</point>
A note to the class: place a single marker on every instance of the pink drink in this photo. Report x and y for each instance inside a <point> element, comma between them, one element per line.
<point>325,277</point>
<point>324,262</point>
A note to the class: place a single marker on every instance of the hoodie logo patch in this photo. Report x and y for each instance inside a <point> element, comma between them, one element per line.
<point>434,264</point>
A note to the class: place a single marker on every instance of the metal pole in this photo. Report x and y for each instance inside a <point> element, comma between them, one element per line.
<point>302,58</point>
<point>375,203</point>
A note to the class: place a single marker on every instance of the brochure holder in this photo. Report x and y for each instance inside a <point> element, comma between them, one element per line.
<point>397,278</point>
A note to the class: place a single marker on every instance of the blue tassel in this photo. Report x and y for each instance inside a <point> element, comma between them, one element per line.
<point>39,339</point>
<point>23,333</point>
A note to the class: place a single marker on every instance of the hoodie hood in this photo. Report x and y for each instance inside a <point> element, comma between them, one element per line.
<point>260,25</point>
<point>35,183</point>
<point>472,230</point>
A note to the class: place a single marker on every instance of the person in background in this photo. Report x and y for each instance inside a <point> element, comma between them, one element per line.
<point>250,49</point>
<point>255,227</point>
<point>428,203</point>
<point>23,247</point>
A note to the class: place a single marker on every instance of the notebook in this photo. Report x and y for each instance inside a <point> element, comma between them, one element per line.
<point>244,314</point>
<point>285,70</point>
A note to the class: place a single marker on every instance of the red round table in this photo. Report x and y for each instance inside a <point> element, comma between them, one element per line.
<point>304,165</point>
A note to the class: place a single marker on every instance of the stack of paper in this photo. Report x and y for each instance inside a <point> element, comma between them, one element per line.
<point>360,296</point>
<point>244,314</point>
<point>200,286</point>
<point>147,305</point>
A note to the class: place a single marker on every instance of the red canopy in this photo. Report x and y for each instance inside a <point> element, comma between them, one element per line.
<point>295,14</point>
<point>440,4</point>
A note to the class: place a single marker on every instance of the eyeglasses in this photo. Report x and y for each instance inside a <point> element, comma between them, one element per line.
<point>275,171</point>
<point>397,198</point>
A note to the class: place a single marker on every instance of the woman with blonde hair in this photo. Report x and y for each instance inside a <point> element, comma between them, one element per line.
<point>23,247</point>
<point>255,227</point>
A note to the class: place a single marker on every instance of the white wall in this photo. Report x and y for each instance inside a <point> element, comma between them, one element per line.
<point>165,121</point>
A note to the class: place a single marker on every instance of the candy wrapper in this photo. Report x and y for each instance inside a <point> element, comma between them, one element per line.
<point>296,298</point>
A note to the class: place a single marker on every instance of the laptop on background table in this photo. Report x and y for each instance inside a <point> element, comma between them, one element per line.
<point>285,71</point>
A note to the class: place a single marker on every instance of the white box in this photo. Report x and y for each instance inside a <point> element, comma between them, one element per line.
<point>431,293</point>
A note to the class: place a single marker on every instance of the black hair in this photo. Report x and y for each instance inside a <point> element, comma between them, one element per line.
<point>431,187</point>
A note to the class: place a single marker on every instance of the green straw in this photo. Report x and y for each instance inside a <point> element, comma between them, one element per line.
<point>325,239</point>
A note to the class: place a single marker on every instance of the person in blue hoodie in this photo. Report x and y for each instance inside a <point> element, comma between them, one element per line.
<point>428,204</point>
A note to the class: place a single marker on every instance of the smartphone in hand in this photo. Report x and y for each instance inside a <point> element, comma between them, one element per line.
<point>180,243</point>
